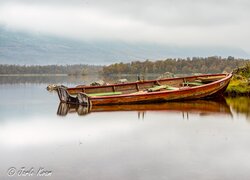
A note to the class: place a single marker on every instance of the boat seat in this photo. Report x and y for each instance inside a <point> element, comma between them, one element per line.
<point>105,94</point>
<point>171,88</point>
<point>139,92</point>
<point>195,83</point>
<point>158,88</point>
<point>210,79</point>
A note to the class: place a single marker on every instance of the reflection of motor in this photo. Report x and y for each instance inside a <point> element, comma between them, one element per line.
<point>83,110</point>
<point>64,109</point>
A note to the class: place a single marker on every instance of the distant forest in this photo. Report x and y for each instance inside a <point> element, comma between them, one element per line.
<point>177,66</point>
<point>77,69</point>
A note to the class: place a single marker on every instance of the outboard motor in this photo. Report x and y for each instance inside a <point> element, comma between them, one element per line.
<point>83,99</point>
<point>63,94</point>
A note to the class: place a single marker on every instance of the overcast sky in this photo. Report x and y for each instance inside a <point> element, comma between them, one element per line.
<point>217,23</point>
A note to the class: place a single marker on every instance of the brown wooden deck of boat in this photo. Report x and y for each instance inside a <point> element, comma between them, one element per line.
<point>183,88</point>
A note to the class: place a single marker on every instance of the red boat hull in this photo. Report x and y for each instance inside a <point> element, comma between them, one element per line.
<point>178,94</point>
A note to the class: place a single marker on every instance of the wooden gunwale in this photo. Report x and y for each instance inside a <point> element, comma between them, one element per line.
<point>145,81</point>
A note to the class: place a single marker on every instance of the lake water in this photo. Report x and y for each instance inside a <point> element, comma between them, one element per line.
<point>190,140</point>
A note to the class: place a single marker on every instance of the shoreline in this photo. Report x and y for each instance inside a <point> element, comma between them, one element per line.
<point>234,94</point>
<point>239,85</point>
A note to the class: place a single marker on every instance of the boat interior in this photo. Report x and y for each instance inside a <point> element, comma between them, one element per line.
<point>140,87</point>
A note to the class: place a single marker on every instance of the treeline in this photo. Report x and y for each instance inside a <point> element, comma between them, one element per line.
<point>177,66</point>
<point>77,69</point>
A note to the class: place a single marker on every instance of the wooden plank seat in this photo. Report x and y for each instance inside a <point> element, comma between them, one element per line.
<point>209,79</point>
<point>171,88</point>
<point>105,94</point>
<point>158,88</point>
<point>195,83</point>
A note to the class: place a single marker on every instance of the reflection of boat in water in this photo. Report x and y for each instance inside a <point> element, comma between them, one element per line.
<point>172,89</point>
<point>202,107</point>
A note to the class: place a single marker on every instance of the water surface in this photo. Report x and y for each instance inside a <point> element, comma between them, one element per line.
<point>189,140</point>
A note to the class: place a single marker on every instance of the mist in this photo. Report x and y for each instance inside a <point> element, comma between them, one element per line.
<point>181,22</point>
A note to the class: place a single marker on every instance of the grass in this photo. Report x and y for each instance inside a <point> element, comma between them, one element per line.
<point>240,82</point>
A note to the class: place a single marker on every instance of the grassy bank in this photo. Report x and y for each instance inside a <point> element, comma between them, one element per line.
<point>240,82</point>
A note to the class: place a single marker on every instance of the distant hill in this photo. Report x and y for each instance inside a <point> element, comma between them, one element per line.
<point>30,49</point>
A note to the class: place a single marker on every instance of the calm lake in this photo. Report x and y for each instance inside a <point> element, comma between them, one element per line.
<point>205,140</point>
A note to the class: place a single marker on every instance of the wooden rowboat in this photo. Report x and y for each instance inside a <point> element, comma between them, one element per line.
<point>171,89</point>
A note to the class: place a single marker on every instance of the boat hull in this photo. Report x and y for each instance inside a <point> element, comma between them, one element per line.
<point>207,91</point>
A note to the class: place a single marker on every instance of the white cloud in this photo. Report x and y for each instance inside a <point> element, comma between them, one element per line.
<point>179,22</point>
<point>77,22</point>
